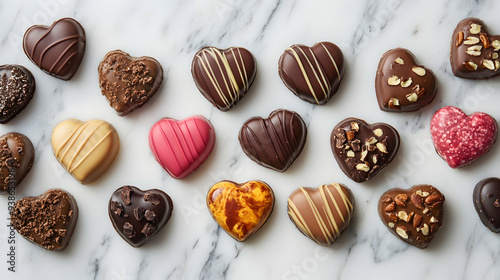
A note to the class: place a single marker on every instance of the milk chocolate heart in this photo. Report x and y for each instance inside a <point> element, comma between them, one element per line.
<point>57,49</point>
<point>240,209</point>
<point>321,214</point>
<point>274,142</point>
<point>85,149</point>
<point>402,85</point>
<point>474,52</point>
<point>128,82</point>
<point>460,139</point>
<point>17,86</point>
<point>139,215</point>
<point>181,146</point>
<point>223,76</point>
<point>413,215</point>
<point>312,73</point>
<point>47,220</point>
<point>486,199</point>
<point>363,150</point>
<point>16,158</point>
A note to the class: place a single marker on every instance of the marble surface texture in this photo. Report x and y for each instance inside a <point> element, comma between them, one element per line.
<point>192,246</point>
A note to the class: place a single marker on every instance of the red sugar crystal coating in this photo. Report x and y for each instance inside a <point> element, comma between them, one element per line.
<point>460,139</point>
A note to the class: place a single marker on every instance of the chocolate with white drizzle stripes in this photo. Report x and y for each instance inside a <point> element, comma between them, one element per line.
<point>274,142</point>
<point>321,214</point>
<point>313,74</point>
<point>223,76</point>
<point>85,149</point>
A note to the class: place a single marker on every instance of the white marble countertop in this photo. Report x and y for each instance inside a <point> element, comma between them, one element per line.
<point>192,246</point>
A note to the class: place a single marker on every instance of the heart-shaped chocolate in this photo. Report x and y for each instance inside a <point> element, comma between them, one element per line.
<point>85,149</point>
<point>312,73</point>
<point>57,49</point>
<point>128,82</point>
<point>17,86</point>
<point>363,150</point>
<point>413,215</point>
<point>474,52</point>
<point>223,76</point>
<point>274,142</point>
<point>139,215</point>
<point>47,220</point>
<point>16,158</point>
<point>323,213</point>
<point>181,146</point>
<point>486,199</point>
<point>240,209</point>
<point>460,139</point>
<point>402,85</point>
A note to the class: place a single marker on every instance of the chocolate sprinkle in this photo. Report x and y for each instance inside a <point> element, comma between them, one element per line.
<point>125,195</point>
<point>152,197</point>
<point>116,207</point>
<point>150,216</point>
<point>148,229</point>
<point>128,230</point>
<point>139,213</point>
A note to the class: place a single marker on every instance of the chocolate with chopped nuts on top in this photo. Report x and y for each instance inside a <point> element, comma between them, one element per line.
<point>413,215</point>
<point>361,149</point>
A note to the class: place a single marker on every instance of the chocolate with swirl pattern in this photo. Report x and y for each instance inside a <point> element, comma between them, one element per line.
<point>57,49</point>
<point>274,142</point>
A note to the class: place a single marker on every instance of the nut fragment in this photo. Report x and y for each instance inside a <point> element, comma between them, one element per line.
<point>496,44</point>
<point>362,167</point>
<point>433,198</point>
<point>475,28</point>
<point>471,40</point>
<point>387,199</point>
<point>394,103</point>
<point>406,83</point>
<point>433,220</point>
<point>391,224</point>
<point>402,231</point>
<point>355,126</point>
<point>418,90</point>
<point>372,140</point>
<point>402,215</point>
<point>401,199</point>
<point>375,159</point>
<point>350,135</point>
<point>494,55</point>
<point>425,229</point>
<point>350,153</point>
<point>471,66</point>
<point>364,153</point>
<point>474,50</point>
<point>381,147</point>
<point>417,200</point>
<point>391,207</point>
<point>460,38</point>
<point>485,40</point>
<point>393,217</point>
<point>497,65</point>
<point>394,81</point>
<point>419,71</point>
<point>417,219</point>
<point>412,97</point>
<point>399,60</point>
<point>378,132</point>
<point>489,64</point>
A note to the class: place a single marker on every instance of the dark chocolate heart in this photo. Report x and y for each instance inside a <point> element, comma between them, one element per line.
<point>474,52</point>
<point>274,142</point>
<point>47,220</point>
<point>57,49</point>
<point>139,215</point>
<point>402,85</point>
<point>487,202</point>
<point>16,158</point>
<point>17,86</point>
<point>128,82</point>
<point>223,76</point>
<point>363,150</point>
<point>413,215</point>
<point>312,73</point>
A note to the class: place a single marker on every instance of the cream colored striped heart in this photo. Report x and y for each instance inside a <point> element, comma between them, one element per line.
<point>85,149</point>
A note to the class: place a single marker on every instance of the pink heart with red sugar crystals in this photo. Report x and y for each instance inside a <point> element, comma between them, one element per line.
<point>460,139</point>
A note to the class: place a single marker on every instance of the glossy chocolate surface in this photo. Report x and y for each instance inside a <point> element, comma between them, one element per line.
<point>274,142</point>
<point>402,85</point>
<point>47,220</point>
<point>474,52</point>
<point>413,215</point>
<point>139,215</point>
<point>486,198</point>
<point>128,82</point>
<point>16,159</point>
<point>323,213</point>
<point>17,86</point>
<point>363,150</point>
<point>312,73</point>
<point>223,76</point>
<point>57,49</point>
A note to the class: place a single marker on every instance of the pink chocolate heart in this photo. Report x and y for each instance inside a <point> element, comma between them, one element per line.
<point>460,139</point>
<point>181,146</point>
